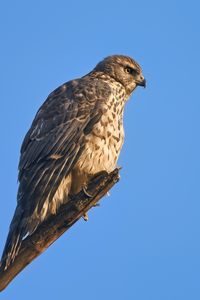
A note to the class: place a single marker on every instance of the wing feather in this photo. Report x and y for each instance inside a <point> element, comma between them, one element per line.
<point>51,148</point>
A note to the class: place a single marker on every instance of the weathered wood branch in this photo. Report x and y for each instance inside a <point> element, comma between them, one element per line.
<point>56,225</point>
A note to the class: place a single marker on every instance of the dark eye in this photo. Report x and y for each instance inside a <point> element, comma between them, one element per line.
<point>130,70</point>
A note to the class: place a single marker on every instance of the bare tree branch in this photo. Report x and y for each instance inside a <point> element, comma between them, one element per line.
<point>55,226</point>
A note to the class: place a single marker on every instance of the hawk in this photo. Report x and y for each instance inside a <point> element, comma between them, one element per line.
<point>77,132</point>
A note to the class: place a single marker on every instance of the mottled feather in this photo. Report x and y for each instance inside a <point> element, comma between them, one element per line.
<point>77,132</point>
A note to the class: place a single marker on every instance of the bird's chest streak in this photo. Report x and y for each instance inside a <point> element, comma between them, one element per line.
<point>103,144</point>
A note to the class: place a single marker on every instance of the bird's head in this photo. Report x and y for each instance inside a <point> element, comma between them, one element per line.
<point>124,70</point>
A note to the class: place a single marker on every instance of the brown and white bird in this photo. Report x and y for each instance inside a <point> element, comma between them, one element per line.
<point>76,133</point>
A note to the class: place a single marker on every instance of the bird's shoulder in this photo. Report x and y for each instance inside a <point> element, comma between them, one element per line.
<point>72,108</point>
<point>72,95</point>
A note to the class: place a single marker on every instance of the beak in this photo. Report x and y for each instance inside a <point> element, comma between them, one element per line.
<point>142,83</point>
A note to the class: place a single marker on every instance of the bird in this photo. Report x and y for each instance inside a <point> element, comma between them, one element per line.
<point>76,133</point>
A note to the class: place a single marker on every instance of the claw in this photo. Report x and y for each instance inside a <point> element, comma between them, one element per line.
<point>86,193</point>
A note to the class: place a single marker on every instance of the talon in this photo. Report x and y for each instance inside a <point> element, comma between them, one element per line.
<point>86,193</point>
<point>85,217</point>
<point>96,205</point>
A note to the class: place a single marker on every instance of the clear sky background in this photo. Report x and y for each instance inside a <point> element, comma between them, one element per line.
<point>143,242</point>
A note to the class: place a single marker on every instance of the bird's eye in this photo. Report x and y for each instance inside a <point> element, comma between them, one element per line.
<point>130,70</point>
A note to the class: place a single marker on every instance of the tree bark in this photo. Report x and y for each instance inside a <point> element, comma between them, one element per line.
<point>50,230</point>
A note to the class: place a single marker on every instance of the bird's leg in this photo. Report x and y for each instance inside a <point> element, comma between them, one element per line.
<point>84,188</point>
<point>92,178</point>
<point>85,215</point>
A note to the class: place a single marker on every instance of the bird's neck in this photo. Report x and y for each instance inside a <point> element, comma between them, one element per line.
<point>113,83</point>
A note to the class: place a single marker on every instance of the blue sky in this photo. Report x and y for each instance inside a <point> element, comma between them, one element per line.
<point>143,242</point>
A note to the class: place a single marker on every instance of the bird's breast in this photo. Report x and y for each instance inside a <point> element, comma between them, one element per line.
<point>104,143</point>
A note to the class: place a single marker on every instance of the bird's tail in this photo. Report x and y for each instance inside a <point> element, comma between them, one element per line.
<point>13,241</point>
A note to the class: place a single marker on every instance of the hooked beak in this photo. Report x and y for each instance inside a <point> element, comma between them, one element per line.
<point>142,83</point>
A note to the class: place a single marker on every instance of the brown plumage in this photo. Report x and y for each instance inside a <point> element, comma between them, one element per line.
<point>77,132</point>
